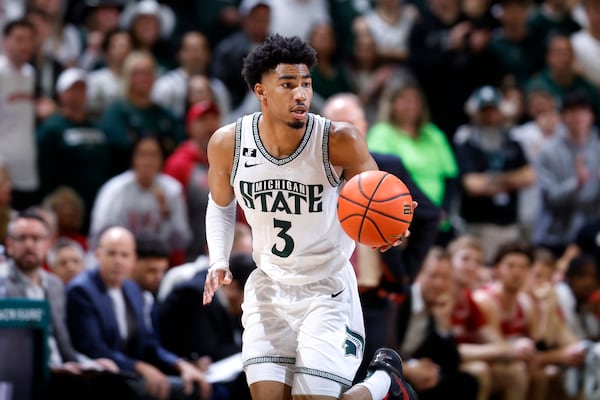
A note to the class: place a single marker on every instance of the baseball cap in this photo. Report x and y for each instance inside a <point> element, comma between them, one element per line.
<point>201,108</point>
<point>486,96</point>
<point>69,77</point>
<point>248,5</point>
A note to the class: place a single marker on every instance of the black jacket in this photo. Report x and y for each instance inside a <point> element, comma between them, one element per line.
<point>192,330</point>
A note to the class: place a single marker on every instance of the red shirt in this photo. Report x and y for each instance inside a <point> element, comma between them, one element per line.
<point>467,317</point>
<point>514,322</point>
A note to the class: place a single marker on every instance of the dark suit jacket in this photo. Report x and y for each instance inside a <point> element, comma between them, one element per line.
<point>15,286</point>
<point>442,350</point>
<point>423,229</point>
<point>190,329</point>
<point>93,325</point>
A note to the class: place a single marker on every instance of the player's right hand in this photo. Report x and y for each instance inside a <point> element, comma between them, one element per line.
<point>399,239</point>
<point>214,279</point>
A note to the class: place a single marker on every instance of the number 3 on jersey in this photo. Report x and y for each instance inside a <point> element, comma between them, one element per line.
<point>288,246</point>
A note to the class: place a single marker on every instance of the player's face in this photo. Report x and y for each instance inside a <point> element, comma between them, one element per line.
<point>287,93</point>
<point>513,271</point>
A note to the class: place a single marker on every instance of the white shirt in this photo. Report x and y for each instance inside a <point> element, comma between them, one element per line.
<point>392,37</point>
<point>66,47</point>
<point>116,294</point>
<point>123,202</point>
<point>17,132</point>
<point>587,54</point>
<point>104,87</point>
<point>297,17</point>
<point>180,273</point>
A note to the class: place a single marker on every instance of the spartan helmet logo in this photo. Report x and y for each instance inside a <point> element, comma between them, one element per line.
<point>354,343</point>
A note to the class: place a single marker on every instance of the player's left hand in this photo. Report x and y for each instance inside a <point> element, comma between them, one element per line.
<point>400,238</point>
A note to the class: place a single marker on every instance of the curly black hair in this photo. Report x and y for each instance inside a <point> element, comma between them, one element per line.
<point>276,50</point>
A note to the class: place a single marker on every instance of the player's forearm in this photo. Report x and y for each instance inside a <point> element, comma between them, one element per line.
<point>220,225</point>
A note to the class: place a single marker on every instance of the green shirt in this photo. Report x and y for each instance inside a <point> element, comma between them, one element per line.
<point>429,158</point>
<point>124,124</point>
<point>74,155</point>
<point>544,81</point>
<point>327,86</point>
<point>520,58</point>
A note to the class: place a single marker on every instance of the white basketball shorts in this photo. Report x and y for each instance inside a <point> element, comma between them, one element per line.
<point>309,337</point>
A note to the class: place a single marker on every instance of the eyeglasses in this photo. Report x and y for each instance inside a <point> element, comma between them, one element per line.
<point>34,238</point>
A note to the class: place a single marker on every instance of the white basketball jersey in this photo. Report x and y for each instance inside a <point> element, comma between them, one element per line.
<point>290,203</point>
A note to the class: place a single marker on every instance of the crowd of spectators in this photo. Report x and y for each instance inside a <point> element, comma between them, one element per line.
<point>489,109</point>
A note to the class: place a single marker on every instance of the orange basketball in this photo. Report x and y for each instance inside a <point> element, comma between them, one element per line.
<point>375,208</point>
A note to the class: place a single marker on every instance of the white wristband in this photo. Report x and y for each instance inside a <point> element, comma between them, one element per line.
<point>220,227</point>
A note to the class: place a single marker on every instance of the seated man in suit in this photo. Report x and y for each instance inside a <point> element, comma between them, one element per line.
<point>106,319</point>
<point>27,245</point>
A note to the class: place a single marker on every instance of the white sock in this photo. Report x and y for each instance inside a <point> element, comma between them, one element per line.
<point>378,384</point>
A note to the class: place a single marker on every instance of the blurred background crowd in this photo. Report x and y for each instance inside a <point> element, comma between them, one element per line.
<point>488,109</point>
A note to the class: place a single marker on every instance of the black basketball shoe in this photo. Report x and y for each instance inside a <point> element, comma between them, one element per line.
<point>389,361</point>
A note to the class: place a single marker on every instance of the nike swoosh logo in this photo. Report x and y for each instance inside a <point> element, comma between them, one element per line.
<point>250,165</point>
<point>337,294</point>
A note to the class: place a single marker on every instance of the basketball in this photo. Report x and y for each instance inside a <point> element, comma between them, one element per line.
<point>375,208</point>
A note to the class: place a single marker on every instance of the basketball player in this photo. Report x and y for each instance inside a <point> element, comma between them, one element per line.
<point>303,328</point>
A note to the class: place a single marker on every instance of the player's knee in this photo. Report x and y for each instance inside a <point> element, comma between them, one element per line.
<point>318,387</point>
